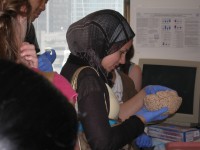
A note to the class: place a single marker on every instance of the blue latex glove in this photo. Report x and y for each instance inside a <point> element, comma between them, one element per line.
<point>152,89</point>
<point>143,141</point>
<point>50,54</point>
<point>112,122</point>
<point>80,127</point>
<point>150,116</point>
<point>44,64</point>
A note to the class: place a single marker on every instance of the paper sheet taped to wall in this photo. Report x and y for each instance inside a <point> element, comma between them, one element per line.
<point>167,28</point>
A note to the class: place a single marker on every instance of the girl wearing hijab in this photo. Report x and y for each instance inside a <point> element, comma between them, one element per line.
<point>100,41</point>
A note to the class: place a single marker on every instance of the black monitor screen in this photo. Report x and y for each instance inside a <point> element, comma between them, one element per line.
<point>181,79</point>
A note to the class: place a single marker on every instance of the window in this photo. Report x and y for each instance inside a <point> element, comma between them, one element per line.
<point>53,23</point>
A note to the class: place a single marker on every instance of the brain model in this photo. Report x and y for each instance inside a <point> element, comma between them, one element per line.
<point>161,99</point>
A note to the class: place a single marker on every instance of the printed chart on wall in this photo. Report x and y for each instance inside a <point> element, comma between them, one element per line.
<point>168,28</point>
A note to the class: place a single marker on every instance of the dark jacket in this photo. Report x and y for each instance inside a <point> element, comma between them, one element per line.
<point>31,37</point>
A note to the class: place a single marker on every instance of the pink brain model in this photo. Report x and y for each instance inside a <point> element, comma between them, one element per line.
<point>161,99</point>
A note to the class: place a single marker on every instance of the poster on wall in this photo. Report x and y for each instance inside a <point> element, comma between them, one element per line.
<point>167,28</point>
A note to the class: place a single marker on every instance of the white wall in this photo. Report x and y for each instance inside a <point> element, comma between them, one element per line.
<point>164,53</point>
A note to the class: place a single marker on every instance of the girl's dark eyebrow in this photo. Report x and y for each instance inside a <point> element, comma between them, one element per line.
<point>123,51</point>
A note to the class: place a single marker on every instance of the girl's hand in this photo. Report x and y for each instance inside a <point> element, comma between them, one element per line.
<point>28,56</point>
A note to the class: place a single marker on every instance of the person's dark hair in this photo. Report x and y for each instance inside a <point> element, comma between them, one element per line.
<point>9,39</point>
<point>34,115</point>
<point>129,55</point>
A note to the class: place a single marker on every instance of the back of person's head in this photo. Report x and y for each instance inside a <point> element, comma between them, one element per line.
<point>10,28</point>
<point>34,115</point>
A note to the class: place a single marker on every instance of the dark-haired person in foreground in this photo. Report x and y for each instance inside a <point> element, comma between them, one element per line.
<point>39,120</point>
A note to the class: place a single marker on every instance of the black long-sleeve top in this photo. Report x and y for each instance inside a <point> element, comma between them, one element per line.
<point>32,38</point>
<point>93,112</point>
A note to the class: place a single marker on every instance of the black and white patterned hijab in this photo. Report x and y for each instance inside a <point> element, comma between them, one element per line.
<point>97,35</point>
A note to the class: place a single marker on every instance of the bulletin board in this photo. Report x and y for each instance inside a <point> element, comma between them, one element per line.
<point>169,30</point>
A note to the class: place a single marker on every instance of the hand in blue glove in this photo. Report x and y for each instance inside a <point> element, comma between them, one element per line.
<point>50,54</point>
<point>143,141</point>
<point>80,127</point>
<point>150,116</point>
<point>152,89</point>
<point>44,64</point>
<point>112,122</point>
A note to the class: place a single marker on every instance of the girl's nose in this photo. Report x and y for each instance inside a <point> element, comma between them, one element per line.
<point>43,6</point>
<point>122,59</point>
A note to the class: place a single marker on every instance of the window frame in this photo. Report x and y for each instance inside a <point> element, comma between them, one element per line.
<point>127,10</point>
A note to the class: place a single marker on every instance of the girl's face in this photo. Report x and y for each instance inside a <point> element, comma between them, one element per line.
<point>37,7</point>
<point>112,61</point>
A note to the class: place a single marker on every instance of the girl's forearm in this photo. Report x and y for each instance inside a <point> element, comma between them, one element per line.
<point>131,106</point>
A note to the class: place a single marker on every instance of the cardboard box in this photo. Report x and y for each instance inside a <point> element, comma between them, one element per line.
<point>173,132</point>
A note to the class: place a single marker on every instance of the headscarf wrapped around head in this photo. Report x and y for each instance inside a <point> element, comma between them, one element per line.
<point>97,35</point>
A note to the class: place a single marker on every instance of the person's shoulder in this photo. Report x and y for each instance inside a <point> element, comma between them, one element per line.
<point>32,26</point>
<point>135,68</point>
<point>124,76</point>
<point>87,71</point>
<point>88,76</point>
<point>48,75</point>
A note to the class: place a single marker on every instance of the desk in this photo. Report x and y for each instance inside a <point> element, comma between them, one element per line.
<point>183,146</point>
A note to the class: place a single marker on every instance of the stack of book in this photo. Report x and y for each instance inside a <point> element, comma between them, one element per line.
<point>173,132</point>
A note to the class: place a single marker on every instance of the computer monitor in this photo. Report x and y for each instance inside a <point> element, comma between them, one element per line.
<point>182,76</point>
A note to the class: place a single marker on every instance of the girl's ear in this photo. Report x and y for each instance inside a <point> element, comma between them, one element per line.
<point>23,8</point>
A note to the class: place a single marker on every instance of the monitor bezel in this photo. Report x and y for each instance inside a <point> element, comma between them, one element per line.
<point>179,118</point>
